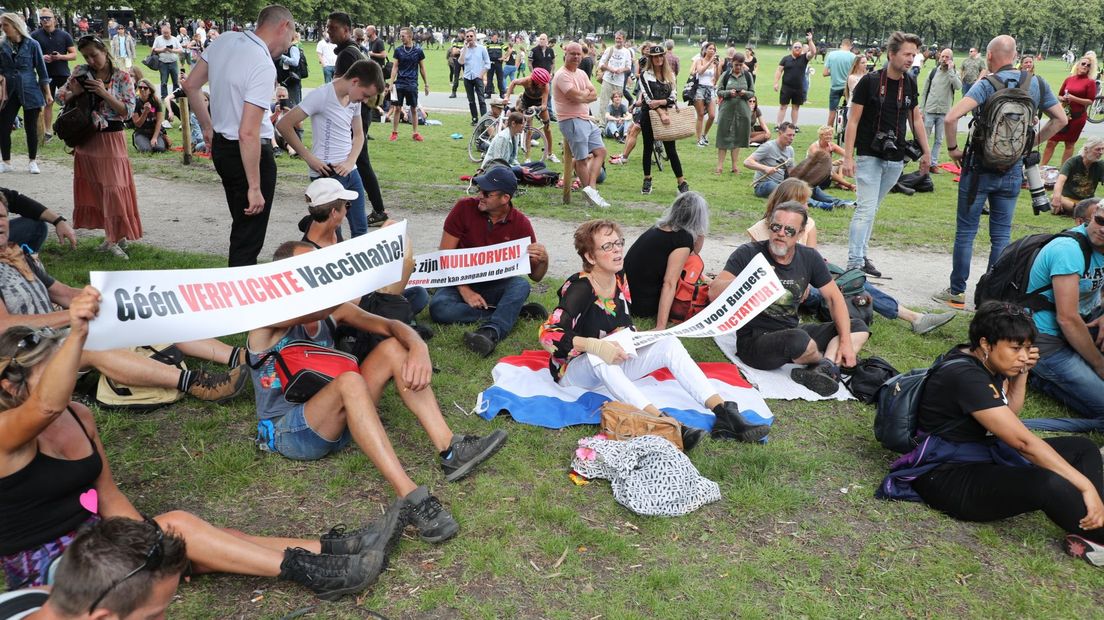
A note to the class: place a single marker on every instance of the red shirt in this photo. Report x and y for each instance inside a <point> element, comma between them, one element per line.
<point>1079,86</point>
<point>475,230</point>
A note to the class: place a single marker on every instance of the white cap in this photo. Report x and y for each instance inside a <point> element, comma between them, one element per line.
<point>324,191</point>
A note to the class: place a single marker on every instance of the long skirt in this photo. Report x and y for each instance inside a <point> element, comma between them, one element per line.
<point>104,196</point>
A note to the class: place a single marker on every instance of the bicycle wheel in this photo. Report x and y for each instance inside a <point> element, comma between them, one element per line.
<point>1096,110</point>
<point>534,146</point>
<point>658,154</point>
<point>480,139</point>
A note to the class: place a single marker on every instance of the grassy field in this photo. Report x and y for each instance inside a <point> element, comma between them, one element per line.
<point>797,533</point>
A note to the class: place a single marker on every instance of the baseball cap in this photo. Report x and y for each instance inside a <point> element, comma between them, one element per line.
<point>497,179</point>
<point>324,191</point>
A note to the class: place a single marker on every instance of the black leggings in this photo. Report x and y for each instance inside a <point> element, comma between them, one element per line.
<point>649,144</point>
<point>30,125</point>
<point>987,492</point>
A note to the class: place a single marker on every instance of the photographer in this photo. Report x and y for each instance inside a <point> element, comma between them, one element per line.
<point>939,92</point>
<point>883,107</point>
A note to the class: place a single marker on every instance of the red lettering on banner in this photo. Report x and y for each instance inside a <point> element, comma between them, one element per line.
<point>213,292</point>
<point>255,287</point>
<point>189,297</point>
<point>270,288</point>
<point>293,282</point>
<point>198,290</point>
<point>279,279</point>
<point>237,294</point>
<point>227,293</point>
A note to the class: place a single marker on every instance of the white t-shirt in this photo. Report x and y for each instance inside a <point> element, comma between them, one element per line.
<point>241,71</point>
<point>326,49</point>
<point>169,42</point>
<point>617,59</point>
<point>918,60</point>
<point>331,124</point>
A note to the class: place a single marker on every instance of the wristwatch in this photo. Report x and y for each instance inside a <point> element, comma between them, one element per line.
<point>60,218</point>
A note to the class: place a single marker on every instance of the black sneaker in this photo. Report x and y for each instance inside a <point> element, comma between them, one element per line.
<point>424,331</point>
<point>467,451</point>
<point>376,218</point>
<point>869,269</point>
<point>647,187</point>
<point>684,186</point>
<point>452,96</point>
<point>482,341</point>
<point>816,379</point>
<point>731,424</point>
<point>474,121</point>
<point>332,576</point>
<point>380,536</point>
<point>533,311</point>
<point>429,517</point>
<point>691,437</point>
<point>218,387</point>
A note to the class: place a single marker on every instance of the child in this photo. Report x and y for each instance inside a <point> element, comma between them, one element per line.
<point>617,118</point>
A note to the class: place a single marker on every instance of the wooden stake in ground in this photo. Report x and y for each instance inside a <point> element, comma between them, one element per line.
<point>569,173</point>
<point>186,129</point>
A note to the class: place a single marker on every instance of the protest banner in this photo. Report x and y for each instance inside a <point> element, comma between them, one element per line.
<point>469,265</point>
<point>157,306</point>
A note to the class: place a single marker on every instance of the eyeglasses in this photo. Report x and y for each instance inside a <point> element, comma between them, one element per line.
<point>609,245</point>
<point>790,230</point>
<point>153,562</point>
<point>44,18</point>
<point>1099,219</point>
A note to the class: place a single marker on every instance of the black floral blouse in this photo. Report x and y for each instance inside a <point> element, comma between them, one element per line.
<point>582,312</point>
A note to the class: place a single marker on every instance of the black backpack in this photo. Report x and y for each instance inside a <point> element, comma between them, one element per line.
<point>75,125</point>
<point>868,376</point>
<point>1008,279</point>
<point>895,421</point>
<point>303,70</point>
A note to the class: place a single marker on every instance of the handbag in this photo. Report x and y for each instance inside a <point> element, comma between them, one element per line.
<point>304,368</point>
<point>112,394</point>
<point>74,125</point>
<point>153,62</point>
<point>682,124</point>
<point>622,421</point>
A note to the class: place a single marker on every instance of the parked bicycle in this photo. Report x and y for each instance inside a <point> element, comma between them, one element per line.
<point>488,126</point>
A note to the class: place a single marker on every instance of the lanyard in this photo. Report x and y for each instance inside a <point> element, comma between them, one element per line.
<point>882,86</point>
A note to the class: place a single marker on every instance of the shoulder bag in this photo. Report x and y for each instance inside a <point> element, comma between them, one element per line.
<point>74,125</point>
<point>304,368</point>
<point>622,421</point>
<point>682,125</point>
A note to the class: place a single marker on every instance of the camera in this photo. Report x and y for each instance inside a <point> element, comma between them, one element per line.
<point>885,143</point>
<point>912,150</point>
<point>1039,202</point>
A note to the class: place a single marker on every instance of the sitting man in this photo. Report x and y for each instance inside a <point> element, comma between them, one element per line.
<point>770,162</point>
<point>345,409</point>
<point>1071,365</point>
<point>30,227</point>
<point>617,118</point>
<point>774,337</point>
<point>1079,177</point>
<point>495,305</point>
<point>29,294</point>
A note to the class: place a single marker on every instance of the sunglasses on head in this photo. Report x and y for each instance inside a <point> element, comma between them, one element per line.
<point>790,230</point>
<point>153,562</point>
<point>609,245</point>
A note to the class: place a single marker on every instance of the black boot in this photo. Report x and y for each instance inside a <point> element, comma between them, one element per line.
<point>380,536</point>
<point>332,576</point>
<point>690,437</point>
<point>730,424</point>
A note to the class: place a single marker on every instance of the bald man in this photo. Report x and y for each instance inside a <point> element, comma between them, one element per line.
<point>977,185</point>
<point>574,92</point>
<point>936,100</point>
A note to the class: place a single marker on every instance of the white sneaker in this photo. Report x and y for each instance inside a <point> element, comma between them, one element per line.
<point>552,158</point>
<point>594,197</point>
<point>117,251</point>
<point>33,167</point>
<point>166,124</point>
<point>6,167</point>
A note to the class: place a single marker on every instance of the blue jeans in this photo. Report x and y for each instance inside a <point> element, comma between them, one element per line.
<point>505,298</point>
<point>417,297</point>
<point>874,177</point>
<point>327,74</point>
<point>616,128</point>
<point>508,72</point>
<point>169,70</point>
<point>358,219</point>
<point>1065,376</point>
<point>291,436</point>
<point>933,123</point>
<point>884,304</point>
<point>1001,190</point>
<point>819,200</point>
<point>28,232</point>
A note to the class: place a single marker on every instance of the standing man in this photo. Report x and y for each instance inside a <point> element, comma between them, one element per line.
<point>972,70</point>
<point>495,50</point>
<point>57,49</point>
<point>672,59</point>
<point>409,62</point>
<point>326,57</point>
<point>452,57</point>
<point>1000,188</point>
<point>574,94</point>
<point>615,63</point>
<point>791,73</point>
<point>186,44</point>
<point>168,50</point>
<point>241,73</point>
<point>475,62</point>
<point>542,56</point>
<point>938,96</point>
<point>837,66</point>
<point>122,47</point>
<point>881,108</point>
<point>377,51</point>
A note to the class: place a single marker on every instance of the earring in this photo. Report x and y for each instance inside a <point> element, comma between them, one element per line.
<point>986,355</point>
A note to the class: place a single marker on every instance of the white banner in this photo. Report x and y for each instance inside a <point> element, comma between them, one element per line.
<point>177,305</point>
<point>453,267</point>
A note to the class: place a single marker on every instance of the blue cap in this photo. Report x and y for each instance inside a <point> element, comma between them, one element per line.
<point>497,179</point>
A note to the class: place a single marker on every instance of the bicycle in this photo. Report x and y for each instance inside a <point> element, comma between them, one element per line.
<point>659,154</point>
<point>488,126</point>
<point>1096,108</point>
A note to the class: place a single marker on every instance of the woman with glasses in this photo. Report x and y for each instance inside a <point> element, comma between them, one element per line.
<point>734,89</point>
<point>26,85</point>
<point>1076,95</point>
<point>147,117</point>
<point>104,196</point>
<point>55,478</point>
<point>595,303</point>
<point>657,92</point>
<point>760,131</point>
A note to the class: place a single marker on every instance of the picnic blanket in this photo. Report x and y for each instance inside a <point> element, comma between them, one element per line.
<point>777,383</point>
<point>524,388</point>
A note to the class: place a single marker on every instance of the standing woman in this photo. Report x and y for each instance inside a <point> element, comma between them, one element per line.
<point>734,90</point>
<point>147,117</point>
<point>706,68</point>
<point>1077,94</point>
<point>26,85</point>
<point>751,62</point>
<point>657,92</point>
<point>104,196</point>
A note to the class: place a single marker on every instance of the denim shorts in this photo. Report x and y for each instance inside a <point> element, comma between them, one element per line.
<point>291,436</point>
<point>703,93</point>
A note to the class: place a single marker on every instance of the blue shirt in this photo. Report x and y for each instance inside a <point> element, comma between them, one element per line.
<point>1040,91</point>
<point>839,66</point>
<point>407,60</point>
<point>1063,257</point>
<point>57,41</point>
<point>476,61</point>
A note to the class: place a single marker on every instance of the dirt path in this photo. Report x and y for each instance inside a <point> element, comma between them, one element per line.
<point>192,217</point>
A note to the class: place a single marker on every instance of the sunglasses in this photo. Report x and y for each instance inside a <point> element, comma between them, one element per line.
<point>1083,64</point>
<point>45,18</point>
<point>1099,219</point>
<point>143,88</point>
<point>790,230</point>
<point>608,246</point>
<point>153,562</point>
<point>28,343</point>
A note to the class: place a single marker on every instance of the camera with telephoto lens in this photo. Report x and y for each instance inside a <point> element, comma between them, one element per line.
<point>1039,202</point>
<point>912,150</point>
<point>885,143</point>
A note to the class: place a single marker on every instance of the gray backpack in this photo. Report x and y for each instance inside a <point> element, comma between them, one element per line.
<point>1003,132</point>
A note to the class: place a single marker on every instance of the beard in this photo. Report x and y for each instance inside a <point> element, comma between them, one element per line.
<point>778,249</point>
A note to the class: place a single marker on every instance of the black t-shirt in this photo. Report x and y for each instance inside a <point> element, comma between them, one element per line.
<point>957,392</point>
<point>347,53</point>
<point>151,118</point>
<point>807,267</point>
<point>377,47</point>
<point>586,65</point>
<point>542,58</point>
<point>793,72</point>
<point>894,115</point>
<point>646,264</point>
<point>57,41</point>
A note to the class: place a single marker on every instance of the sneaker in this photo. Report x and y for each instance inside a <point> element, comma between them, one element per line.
<point>467,451</point>
<point>376,218</point>
<point>552,158</point>
<point>452,96</point>
<point>482,341</point>
<point>6,167</point>
<point>533,311</point>
<point>753,144</point>
<point>592,196</point>
<point>931,321</point>
<point>1083,548</point>
<point>619,160</point>
<point>424,331</point>
<point>869,269</point>
<point>418,138</point>
<point>380,536</point>
<point>953,300</point>
<point>33,167</point>
<point>429,517</point>
<point>646,188</point>
<point>701,141</point>
<point>117,251</point>
<point>332,576</point>
<point>47,138</point>
<point>394,136</point>
<point>218,387</point>
<point>683,187</point>
<point>103,246</point>
<point>474,121</point>
<point>816,379</point>
<point>706,140</point>
<point>731,424</point>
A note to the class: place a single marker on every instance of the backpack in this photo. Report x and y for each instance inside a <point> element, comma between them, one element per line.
<point>868,375</point>
<point>115,395</point>
<point>536,173</point>
<point>74,125</point>
<point>691,292</point>
<point>898,399</point>
<point>303,70</point>
<point>1008,279</point>
<point>852,283</point>
<point>1003,132</point>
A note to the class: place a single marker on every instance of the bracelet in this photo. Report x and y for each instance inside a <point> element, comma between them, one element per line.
<point>952,148</point>
<point>60,218</point>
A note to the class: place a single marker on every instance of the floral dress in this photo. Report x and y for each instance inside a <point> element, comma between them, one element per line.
<point>581,312</point>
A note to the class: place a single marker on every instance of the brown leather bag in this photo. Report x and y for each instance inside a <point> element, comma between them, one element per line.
<point>622,421</point>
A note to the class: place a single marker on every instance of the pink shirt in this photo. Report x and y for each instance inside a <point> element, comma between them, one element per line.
<point>564,81</point>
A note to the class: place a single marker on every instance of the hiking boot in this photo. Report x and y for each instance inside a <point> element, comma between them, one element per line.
<point>683,187</point>
<point>646,188</point>
<point>691,437</point>
<point>954,300</point>
<point>931,321</point>
<point>533,311</point>
<point>1084,549</point>
<point>424,332</point>
<point>731,424</point>
<point>380,536</point>
<point>482,341</point>
<point>429,517</point>
<point>332,576</point>
<point>869,269</point>
<point>819,379</point>
<point>376,218</point>
<point>218,387</point>
<point>467,451</point>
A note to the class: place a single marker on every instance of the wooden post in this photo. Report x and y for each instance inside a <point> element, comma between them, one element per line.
<point>186,129</point>
<point>569,173</point>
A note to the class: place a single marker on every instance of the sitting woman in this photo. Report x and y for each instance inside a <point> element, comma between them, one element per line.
<point>54,478</point>
<point>654,263</point>
<point>147,117</point>
<point>975,409</point>
<point>595,303</point>
<point>760,129</point>
<point>884,304</point>
<point>824,144</point>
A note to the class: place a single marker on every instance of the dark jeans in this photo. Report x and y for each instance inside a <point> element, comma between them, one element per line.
<point>455,71</point>
<point>505,298</point>
<point>987,491</point>
<point>169,70</point>
<point>474,89</point>
<point>30,125</point>
<point>247,232</point>
<point>494,76</point>
<point>28,232</point>
<point>649,144</point>
<point>368,178</point>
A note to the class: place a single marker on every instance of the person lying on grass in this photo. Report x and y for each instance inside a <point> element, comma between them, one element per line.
<point>595,303</point>
<point>55,478</point>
